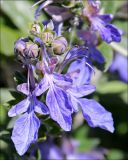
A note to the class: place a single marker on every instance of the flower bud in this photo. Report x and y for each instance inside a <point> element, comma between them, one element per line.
<point>19,48</point>
<point>32,50</point>
<point>47,38</point>
<point>35,29</point>
<point>59,45</point>
<point>40,66</point>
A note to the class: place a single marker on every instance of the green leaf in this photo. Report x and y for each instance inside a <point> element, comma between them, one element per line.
<point>20,12</point>
<point>107,52</point>
<point>86,143</point>
<point>3,115</point>
<point>111,6</point>
<point>111,87</point>
<point>5,95</point>
<point>115,154</point>
<point>8,36</point>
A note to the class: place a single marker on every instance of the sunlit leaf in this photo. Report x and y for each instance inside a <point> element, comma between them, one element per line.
<point>8,36</point>
<point>5,95</point>
<point>107,52</point>
<point>111,87</point>
<point>20,12</point>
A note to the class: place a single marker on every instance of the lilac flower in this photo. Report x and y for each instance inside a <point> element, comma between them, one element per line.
<point>80,69</point>
<point>69,147</point>
<point>93,112</point>
<point>58,14</point>
<point>91,42</point>
<point>101,23</point>
<point>26,127</point>
<point>68,150</point>
<point>57,99</point>
<point>117,64</point>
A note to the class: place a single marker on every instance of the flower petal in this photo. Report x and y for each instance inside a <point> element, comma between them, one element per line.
<point>25,132</point>
<point>40,107</point>
<point>108,32</point>
<point>80,91</point>
<point>43,5</point>
<point>19,108</point>
<point>58,14</point>
<point>96,115</point>
<point>62,80</point>
<point>85,72</point>
<point>106,17</point>
<point>96,54</point>
<point>41,87</point>
<point>23,88</point>
<point>115,33</point>
<point>59,107</point>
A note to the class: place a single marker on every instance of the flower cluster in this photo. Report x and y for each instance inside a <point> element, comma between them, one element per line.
<point>46,54</point>
<point>68,149</point>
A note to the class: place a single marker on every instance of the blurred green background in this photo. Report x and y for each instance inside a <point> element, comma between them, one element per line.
<point>111,93</point>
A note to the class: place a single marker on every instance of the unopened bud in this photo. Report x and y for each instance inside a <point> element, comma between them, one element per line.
<point>40,65</point>
<point>35,29</point>
<point>47,38</point>
<point>32,50</point>
<point>59,45</point>
<point>19,48</point>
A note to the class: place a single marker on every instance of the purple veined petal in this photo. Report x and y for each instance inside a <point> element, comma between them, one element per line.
<point>25,132</point>
<point>42,6</point>
<point>74,103</point>
<point>107,18</point>
<point>99,25</point>
<point>108,32</point>
<point>115,33</point>
<point>80,91</point>
<point>96,54</point>
<point>85,72</point>
<point>95,3</point>
<point>23,88</point>
<point>61,80</point>
<point>59,14</point>
<point>19,108</point>
<point>59,107</point>
<point>96,115</point>
<point>40,107</point>
<point>58,27</point>
<point>41,87</point>
<point>77,52</point>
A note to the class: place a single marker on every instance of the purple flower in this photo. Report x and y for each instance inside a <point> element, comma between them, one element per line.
<point>68,150</point>
<point>44,4</point>
<point>117,64</point>
<point>50,151</point>
<point>90,43</point>
<point>101,23</point>
<point>57,100</point>
<point>80,72</point>
<point>25,130</point>
<point>57,13</point>
<point>93,112</point>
